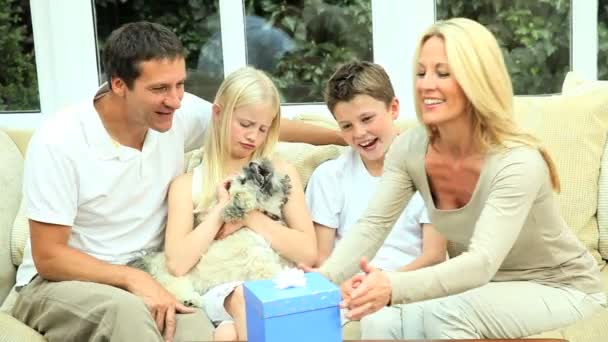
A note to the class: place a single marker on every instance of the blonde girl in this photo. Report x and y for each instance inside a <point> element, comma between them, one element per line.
<point>244,126</point>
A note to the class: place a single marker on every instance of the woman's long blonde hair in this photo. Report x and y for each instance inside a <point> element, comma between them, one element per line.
<point>242,87</point>
<point>477,64</point>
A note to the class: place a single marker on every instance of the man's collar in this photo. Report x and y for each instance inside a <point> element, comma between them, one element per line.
<point>100,140</point>
<point>96,134</point>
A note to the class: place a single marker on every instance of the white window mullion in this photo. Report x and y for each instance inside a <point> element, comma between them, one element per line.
<point>397,25</point>
<point>232,26</point>
<point>66,57</point>
<point>66,53</point>
<point>584,38</point>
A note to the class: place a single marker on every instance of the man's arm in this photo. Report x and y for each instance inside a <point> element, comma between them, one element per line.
<point>57,261</point>
<point>298,131</point>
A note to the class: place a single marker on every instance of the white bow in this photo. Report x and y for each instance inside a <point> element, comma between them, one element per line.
<point>291,277</point>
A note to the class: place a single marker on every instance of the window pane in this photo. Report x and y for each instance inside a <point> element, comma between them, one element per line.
<point>602,31</point>
<point>301,43</point>
<point>18,82</point>
<point>534,37</point>
<point>196,22</point>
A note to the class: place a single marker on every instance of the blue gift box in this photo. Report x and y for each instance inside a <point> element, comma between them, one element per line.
<point>309,313</point>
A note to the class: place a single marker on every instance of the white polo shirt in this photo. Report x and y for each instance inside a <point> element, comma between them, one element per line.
<point>338,194</point>
<point>113,196</point>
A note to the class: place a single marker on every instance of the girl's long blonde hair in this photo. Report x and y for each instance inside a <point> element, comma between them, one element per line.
<point>242,87</point>
<point>477,64</point>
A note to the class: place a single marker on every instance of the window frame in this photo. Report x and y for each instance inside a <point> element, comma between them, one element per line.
<point>66,58</point>
<point>67,68</point>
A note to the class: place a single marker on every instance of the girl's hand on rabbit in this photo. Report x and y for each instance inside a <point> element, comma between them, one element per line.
<point>223,196</point>
<point>229,228</point>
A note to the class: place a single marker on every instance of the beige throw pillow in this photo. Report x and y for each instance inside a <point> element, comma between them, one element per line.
<point>573,85</point>
<point>573,127</point>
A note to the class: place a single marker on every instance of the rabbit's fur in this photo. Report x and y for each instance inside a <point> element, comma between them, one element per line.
<point>242,255</point>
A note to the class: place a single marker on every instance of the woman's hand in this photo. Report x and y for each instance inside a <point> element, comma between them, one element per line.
<point>368,293</point>
<point>348,287</point>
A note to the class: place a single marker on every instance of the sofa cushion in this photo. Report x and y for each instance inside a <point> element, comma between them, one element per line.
<point>13,330</point>
<point>602,205</point>
<point>573,127</point>
<point>305,157</point>
<point>574,84</point>
<point>19,236</point>
<point>11,169</point>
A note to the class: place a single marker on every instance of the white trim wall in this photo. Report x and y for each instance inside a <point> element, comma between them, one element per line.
<point>232,23</point>
<point>584,38</point>
<point>66,49</point>
<point>66,57</point>
<point>397,24</point>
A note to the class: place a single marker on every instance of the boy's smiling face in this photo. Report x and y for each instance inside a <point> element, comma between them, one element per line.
<point>367,125</point>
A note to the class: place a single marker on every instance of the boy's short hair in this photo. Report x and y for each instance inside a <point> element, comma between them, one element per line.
<point>358,78</point>
<point>137,42</point>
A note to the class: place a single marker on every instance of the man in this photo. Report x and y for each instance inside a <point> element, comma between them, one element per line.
<point>95,186</point>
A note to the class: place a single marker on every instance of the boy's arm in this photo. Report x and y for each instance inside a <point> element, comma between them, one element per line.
<point>434,247</point>
<point>298,131</point>
<point>326,236</point>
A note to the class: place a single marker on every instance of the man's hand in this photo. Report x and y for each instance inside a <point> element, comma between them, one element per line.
<point>160,302</point>
<point>371,294</point>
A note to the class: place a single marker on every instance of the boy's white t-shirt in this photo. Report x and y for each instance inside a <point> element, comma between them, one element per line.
<point>337,195</point>
<point>113,197</point>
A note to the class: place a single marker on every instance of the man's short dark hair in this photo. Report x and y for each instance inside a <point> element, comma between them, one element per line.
<point>137,42</point>
<point>358,78</point>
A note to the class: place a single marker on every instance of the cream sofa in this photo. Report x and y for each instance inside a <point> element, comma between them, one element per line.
<point>573,125</point>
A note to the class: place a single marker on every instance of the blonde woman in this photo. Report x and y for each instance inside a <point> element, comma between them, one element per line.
<point>244,126</point>
<point>516,268</point>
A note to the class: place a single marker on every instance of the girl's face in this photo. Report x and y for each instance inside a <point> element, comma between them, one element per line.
<point>249,128</point>
<point>367,125</point>
<point>437,92</point>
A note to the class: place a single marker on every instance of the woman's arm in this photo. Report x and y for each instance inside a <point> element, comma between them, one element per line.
<point>326,237</point>
<point>510,198</point>
<point>297,244</point>
<point>299,131</point>
<point>183,244</point>
<point>434,247</point>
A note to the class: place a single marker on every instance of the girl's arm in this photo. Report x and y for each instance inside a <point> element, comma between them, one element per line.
<point>326,236</point>
<point>434,247</point>
<point>183,244</point>
<point>297,241</point>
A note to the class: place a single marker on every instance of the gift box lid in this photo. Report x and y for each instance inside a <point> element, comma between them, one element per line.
<point>269,301</point>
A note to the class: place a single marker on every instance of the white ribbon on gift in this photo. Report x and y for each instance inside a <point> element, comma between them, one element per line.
<point>291,277</point>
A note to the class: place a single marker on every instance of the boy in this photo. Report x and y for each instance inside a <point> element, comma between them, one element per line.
<point>362,100</point>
